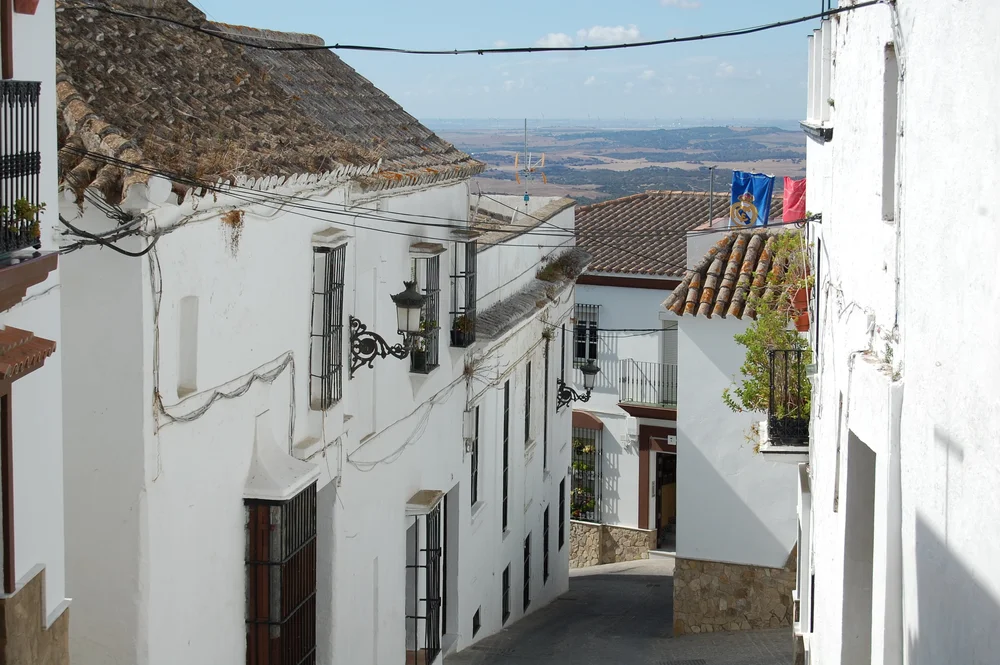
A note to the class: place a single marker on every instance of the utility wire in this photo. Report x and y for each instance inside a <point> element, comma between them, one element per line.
<point>218,34</point>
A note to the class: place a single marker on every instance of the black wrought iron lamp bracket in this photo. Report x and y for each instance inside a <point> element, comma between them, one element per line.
<point>565,394</point>
<point>366,346</point>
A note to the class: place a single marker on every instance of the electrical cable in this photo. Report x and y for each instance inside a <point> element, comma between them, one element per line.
<point>219,34</point>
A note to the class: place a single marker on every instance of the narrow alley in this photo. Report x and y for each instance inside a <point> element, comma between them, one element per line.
<point>621,613</point>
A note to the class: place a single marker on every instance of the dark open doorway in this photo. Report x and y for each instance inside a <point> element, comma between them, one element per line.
<point>666,501</point>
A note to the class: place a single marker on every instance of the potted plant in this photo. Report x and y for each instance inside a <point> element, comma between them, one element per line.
<point>20,224</point>
<point>461,330</point>
<point>418,362</point>
<point>25,6</point>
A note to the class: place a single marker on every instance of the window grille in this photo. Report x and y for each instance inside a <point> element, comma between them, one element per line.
<point>432,596</point>
<point>463,295</point>
<point>474,480</point>
<point>424,356</point>
<point>506,451</point>
<point>281,580</point>
<point>562,513</point>
<point>586,335</point>
<point>545,409</point>
<point>586,487</point>
<point>326,376</point>
<point>527,403</point>
<point>545,545</point>
<point>527,572</point>
<point>505,595</point>
<point>20,165</point>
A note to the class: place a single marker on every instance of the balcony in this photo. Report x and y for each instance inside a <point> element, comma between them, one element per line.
<point>20,166</point>
<point>784,436</point>
<point>646,384</point>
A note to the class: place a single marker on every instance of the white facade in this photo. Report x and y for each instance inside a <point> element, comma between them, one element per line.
<point>903,464</point>
<point>36,399</point>
<point>622,353</point>
<point>166,559</point>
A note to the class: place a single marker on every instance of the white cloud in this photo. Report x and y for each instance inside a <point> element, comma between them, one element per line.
<point>486,88</point>
<point>681,4</point>
<point>500,43</point>
<point>628,87</point>
<point>555,40</point>
<point>647,75</point>
<point>591,80</point>
<point>508,85</point>
<point>607,34</point>
<point>725,70</point>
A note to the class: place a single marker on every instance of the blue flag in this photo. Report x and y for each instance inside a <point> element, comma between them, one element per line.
<point>750,203</point>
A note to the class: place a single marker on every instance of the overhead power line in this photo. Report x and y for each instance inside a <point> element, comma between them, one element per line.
<point>217,34</point>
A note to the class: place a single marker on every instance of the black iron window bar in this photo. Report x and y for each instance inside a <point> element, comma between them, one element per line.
<point>432,588</point>
<point>527,573</point>
<point>281,580</point>
<point>586,476</point>
<point>562,513</point>
<point>585,333</point>
<point>545,545</point>
<point>20,166</point>
<point>788,397</point>
<point>424,355</point>
<point>463,296</point>
<point>326,353</point>
<point>505,596</point>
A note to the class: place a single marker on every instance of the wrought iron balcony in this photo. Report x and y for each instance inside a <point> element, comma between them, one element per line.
<point>20,166</point>
<point>647,383</point>
<point>788,397</point>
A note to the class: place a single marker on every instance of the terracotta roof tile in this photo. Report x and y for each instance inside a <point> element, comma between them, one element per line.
<point>165,96</point>
<point>22,352</point>
<point>734,268</point>
<point>645,233</point>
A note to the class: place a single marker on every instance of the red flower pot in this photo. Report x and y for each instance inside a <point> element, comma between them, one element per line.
<point>25,6</point>
<point>802,322</point>
<point>800,300</point>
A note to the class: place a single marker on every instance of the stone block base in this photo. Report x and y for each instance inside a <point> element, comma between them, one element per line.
<point>23,636</point>
<point>593,544</point>
<point>710,596</point>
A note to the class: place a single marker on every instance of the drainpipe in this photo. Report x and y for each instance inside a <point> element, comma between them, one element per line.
<point>7,37</point>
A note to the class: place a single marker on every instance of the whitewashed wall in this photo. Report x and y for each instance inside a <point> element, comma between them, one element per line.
<point>37,398</point>
<point>620,308</point>
<point>732,504</point>
<point>171,490</point>
<point>935,594</point>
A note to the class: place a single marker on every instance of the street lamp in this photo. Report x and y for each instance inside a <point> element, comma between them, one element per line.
<point>566,394</point>
<point>366,345</point>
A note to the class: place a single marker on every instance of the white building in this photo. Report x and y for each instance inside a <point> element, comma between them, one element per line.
<point>899,538</point>
<point>34,614</point>
<point>637,243</point>
<point>274,484</point>
<point>735,509</point>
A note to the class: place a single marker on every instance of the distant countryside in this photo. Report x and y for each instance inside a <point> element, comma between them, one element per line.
<point>596,164</point>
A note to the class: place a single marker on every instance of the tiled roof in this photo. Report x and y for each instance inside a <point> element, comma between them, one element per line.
<point>721,282</point>
<point>496,320</point>
<point>21,352</point>
<point>644,234</point>
<point>501,227</point>
<point>150,92</point>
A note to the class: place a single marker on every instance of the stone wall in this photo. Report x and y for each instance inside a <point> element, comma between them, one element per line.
<point>591,544</point>
<point>23,636</point>
<point>712,597</point>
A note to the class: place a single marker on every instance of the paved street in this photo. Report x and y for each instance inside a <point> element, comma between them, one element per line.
<point>621,614</point>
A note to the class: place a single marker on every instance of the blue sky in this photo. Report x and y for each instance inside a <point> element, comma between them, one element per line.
<point>759,76</point>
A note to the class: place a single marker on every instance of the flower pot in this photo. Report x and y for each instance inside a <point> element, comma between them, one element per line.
<point>457,337</point>
<point>25,6</point>
<point>802,322</point>
<point>418,362</point>
<point>800,300</point>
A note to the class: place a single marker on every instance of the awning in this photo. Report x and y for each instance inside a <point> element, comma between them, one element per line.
<point>423,502</point>
<point>21,352</point>
<point>426,250</point>
<point>274,475</point>
<point>586,420</point>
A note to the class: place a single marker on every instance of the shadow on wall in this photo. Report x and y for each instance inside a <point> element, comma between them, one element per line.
<point>715,523</point>
<point>958,617</point>
<point>610,478</point>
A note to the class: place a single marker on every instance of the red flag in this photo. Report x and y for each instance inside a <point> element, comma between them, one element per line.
<point>795,200</point>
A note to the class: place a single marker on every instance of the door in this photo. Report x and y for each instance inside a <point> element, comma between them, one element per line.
<point>666,498</point>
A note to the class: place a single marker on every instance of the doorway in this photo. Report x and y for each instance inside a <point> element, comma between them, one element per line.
<point>859,545</point>
<point>665,497</point>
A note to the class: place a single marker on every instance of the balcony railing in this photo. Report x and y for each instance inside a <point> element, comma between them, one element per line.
<point>788,397</point>
<point>20,165</point>
<point>647,383</point>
